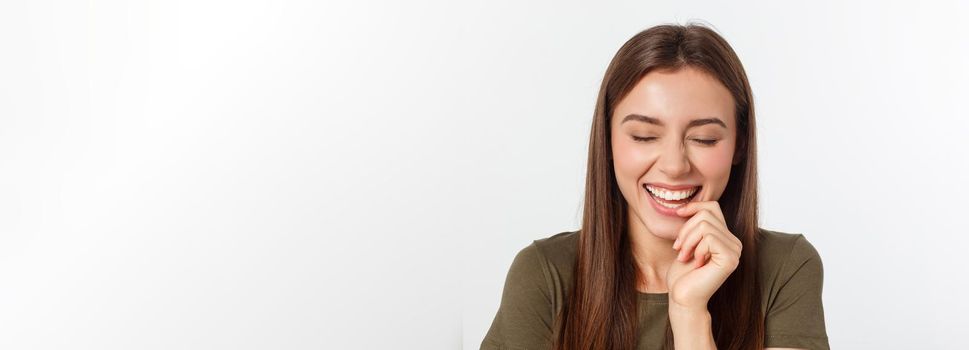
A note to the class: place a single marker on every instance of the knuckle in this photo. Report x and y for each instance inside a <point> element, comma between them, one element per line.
<point>706,225</point>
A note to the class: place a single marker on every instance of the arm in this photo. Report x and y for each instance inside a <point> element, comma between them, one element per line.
<point>708,254</point>
<point>692,328</point>
<point>525,315</point>
<point>687,324</point>
<point>795,316</point>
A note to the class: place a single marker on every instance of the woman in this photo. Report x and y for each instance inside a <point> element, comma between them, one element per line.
<point>669,254</point>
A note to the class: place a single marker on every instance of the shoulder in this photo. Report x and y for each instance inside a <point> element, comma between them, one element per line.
<point>792,279</point>
<point>559,240</point>
<point>778,248</point>
<point>553,259</point>
<point>550,259</point>
<point>533,293</point>
<point>787,261</point>
<point>560,248</point>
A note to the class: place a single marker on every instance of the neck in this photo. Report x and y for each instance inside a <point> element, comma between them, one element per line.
<point>653,255</point>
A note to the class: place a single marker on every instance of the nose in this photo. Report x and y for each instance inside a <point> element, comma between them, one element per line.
<point>673,159</point>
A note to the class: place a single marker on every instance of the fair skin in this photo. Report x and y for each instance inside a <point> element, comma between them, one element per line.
<point>678,129</point>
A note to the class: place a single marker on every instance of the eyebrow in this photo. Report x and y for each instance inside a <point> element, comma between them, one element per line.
<point>693,123</point>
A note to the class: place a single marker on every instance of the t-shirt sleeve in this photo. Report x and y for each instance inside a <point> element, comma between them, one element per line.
<point>796,318</point>
<point>525,315</point>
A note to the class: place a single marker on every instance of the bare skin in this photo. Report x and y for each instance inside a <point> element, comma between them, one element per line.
<point>678,128</point>
<point>674,155</point>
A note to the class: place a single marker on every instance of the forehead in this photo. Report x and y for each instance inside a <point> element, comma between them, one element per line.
<point>677,97</point>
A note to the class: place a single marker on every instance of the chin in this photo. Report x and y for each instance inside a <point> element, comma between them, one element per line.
<point>666,231</point>
<point>664,228</point>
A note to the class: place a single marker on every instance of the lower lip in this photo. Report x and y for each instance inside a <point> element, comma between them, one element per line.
<point>664,210</point>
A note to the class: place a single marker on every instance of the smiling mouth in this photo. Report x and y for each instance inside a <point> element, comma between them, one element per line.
<point>672,199</point>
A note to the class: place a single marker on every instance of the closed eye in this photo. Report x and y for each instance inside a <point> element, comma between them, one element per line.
<point>701,141</point>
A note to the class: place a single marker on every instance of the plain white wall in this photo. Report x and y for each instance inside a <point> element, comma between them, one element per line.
<point>862,124</point>
<point>296,175</point>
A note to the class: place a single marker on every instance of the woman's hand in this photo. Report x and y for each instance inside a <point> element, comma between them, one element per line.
<point>703,237</point>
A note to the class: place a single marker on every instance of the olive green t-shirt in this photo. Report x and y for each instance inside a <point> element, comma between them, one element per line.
<point>535,289</point>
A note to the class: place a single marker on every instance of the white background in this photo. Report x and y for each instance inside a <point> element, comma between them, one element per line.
<point>317,175</point>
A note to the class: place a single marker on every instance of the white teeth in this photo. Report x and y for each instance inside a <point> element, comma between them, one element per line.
<point>671,206</point>
<point>671,195</point>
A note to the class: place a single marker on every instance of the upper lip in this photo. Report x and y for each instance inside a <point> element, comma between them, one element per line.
<point>671,187</point>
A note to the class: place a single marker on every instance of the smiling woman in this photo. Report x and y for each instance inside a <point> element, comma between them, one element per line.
<point>670,253</point>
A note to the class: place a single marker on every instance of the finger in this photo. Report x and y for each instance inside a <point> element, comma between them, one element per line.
<point>703,249</point>
<point>717,250</point>
<point>693,238</point>
<point>722,230</point>
<point>702,260</point>
<point>714,209</point>
<point>728,239</point>
<point>689,225</point>
<point>704,233</point>
<point>693,207</point>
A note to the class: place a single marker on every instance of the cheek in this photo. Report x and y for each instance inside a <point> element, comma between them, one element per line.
<point>715,164</point>
<point>630,161</point>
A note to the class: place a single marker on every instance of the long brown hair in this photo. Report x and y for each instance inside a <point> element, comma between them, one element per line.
<point>601,311</point>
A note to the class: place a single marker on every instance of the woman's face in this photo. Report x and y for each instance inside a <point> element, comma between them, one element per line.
<point>675,130</point>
